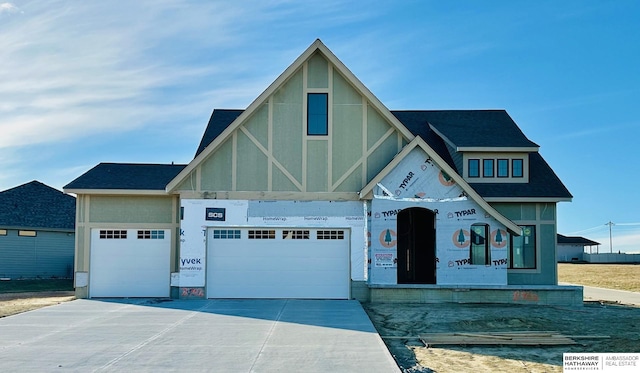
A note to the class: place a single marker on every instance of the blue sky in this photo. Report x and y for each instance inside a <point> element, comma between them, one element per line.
<point>83,82</point>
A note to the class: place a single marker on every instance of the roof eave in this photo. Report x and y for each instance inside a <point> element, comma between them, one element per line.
<point>159,192</point>
<point>528,199</point>
<point>42,229</point>
<point>495,149</point>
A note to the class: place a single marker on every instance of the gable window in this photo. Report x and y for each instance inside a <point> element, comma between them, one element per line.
<point>503,168</point>
<point>317,114</point>
<point>523,248</point>
<point>487,168</point>
<point>479,250</point>
<point>516,168</point>
<point>474,168</point>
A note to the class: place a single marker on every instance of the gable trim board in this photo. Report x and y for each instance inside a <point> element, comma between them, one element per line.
<point>367,191</point>
<point>319,47</point>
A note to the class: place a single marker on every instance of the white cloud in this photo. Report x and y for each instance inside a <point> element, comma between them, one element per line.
<point>9,8</point>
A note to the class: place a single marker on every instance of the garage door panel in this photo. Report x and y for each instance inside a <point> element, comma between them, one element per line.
<point>129,266</point>
<point>278,268</point>
<point>238,264</point>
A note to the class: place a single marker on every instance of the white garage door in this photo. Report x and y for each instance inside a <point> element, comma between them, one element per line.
<point>130,263</point>
<point>278,263</point>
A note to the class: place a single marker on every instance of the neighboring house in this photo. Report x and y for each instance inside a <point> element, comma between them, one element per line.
<point>36,232</point>
<point>317,190</point>
<point>571,249</point>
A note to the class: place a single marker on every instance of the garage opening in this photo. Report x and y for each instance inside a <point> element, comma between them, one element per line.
<point>416,246</point>
<point>130,263</point>
<point>310,263</point>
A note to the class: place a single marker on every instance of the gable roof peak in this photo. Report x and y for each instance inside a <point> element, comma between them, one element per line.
<point>222,134</point>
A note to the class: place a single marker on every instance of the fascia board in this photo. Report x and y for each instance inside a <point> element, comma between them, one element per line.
<point>39,229</point>
<point>528,199</point>
<point>155,192</point>
<point>487,149</point>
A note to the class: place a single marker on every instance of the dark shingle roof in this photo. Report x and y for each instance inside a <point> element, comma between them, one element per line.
<point>36,205</point>
<point>219,121</point>
<point>576,240</point>
<point>466,128</point>
<point>478,128</point>
<point>416,122</point>
<point>132,176</point>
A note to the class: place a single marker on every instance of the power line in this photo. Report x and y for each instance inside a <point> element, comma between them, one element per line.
<point>610,224</point>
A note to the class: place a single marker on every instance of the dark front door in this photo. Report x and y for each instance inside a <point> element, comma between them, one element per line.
<point>416,246</point>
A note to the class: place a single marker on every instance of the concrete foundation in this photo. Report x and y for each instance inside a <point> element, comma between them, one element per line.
<point>570,296</point>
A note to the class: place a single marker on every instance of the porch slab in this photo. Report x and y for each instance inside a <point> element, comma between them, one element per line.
<point>570,296</point>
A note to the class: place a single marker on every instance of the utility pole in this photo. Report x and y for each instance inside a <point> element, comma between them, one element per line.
<point>610,240</point>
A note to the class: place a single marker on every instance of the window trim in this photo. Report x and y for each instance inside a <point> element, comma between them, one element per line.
<point>475,160</point>
<point>112,234</point>
<point>484,167</point>
<point>513,174</point>
<point>330,234</point>
<point>27,233</point>
<point>535,248</point>
<point>261,234</point>
<point>487,244</point>
<point>506,161</point>
<point>325,114</point>
<point>150,234</point>
<point>226,234</point>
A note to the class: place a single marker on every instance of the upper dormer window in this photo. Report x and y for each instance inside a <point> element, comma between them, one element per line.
<point>494,168</point>
<point>516,168</point>
<point>487,168</point>
<point>503,168</point>
<point>474,168</point>
<point>317,114</point>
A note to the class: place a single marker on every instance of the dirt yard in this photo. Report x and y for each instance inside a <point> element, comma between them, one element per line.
<point>13,303</point>
<point>610,276</point>
<point>612,328</point>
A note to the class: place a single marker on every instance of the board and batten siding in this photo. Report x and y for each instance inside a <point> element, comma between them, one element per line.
<point>270,153</point>
<point>123,212</point>
<point>47,255</point>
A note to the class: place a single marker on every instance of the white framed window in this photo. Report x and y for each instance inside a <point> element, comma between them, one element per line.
<point>151,234</point>
<point>113,234</point>
<point>330,235</point>
<point>295,234</point>
<point>27,233</point>
<point>262,234</point>
<point>226,234</point>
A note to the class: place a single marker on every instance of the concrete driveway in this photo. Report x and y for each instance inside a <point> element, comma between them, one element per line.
<point>194,336</point>
<point>591,293</point>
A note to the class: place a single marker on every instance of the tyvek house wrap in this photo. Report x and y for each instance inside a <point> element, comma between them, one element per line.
<point>418,182</point>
